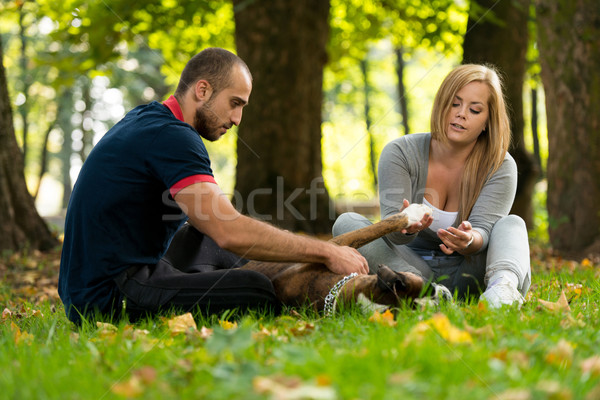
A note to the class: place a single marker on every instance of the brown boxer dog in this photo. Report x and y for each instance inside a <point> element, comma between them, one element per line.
<point>301,283</point>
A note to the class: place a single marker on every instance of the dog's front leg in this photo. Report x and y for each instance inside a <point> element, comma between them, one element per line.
<point>360,237</point>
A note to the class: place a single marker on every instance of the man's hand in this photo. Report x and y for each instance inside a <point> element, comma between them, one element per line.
<point>346,260</point>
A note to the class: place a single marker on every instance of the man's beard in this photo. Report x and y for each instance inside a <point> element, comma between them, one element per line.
<point>207,124</point>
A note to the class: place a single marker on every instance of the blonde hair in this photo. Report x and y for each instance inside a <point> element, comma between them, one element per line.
<point>492,144</point>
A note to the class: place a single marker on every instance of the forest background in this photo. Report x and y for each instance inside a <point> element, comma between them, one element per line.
<point>334,81</point>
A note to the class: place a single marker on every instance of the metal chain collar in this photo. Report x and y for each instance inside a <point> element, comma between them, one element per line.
<point>331,298</point>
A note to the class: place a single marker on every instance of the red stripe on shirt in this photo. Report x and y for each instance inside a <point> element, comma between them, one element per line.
<point>190,180</point>
<point>172,104</point>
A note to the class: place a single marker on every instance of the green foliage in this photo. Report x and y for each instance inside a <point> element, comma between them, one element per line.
<point>100,45</point>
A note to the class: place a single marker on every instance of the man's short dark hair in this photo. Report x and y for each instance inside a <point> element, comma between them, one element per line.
<point>213,65</point>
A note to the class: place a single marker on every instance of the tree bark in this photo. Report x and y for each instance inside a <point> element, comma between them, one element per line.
<point>503,42</point>
<point>279,170</point>
<point>20,223</point>
<point>64,123</point>
<point>364,67</point>
<point>402,95</point>
<point>569,47</point>
<point>535,136</point>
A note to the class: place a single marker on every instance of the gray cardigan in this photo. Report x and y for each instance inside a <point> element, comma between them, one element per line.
<point>403,175</point>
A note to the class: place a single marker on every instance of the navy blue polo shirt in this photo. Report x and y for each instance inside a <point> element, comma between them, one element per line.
<point>121,212</point>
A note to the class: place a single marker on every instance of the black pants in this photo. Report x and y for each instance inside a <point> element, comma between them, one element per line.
<point>195,274</point>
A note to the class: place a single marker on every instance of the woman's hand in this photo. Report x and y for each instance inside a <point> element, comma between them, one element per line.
<point>461,239</point>
<point>417,226</point>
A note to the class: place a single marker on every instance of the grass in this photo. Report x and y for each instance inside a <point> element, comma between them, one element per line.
<point>541,351</point>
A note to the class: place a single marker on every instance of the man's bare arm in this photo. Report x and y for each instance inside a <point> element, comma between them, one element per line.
<point>211,212</point>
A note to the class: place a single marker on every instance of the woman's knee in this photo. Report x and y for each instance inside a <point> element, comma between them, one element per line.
<point>348,222</point>
<point>511,221</point>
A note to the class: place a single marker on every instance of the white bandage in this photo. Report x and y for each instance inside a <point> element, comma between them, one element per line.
<point>416,212</point>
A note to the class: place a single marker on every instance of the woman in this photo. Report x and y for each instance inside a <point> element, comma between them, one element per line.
<point>463,171</point>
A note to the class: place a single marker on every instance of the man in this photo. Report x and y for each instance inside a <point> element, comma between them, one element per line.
<point>141,182</point>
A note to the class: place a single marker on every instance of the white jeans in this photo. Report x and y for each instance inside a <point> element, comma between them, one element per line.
<point>508,250</point>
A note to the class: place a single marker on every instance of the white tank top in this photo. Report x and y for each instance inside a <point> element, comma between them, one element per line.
<point>441,219</point>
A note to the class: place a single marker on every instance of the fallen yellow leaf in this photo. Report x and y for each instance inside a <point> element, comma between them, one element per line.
<point>146,375</point>
<point>512,394</point>
<point>386,319</point>
<point>130,332</point>
<point>292,388</point>
<point>440,324</point>
<point>130,388</point>
<point>561,354</point>
<point>182,324</point>
<point>302,328</point>
<point>591,366</point>
<point>554,390</point>
<point>21,337</point>
<point>106,330</point>
<point>586,262</point>
<point>228,325</point>
<point>573,290</point>
<point>561,305</point>
<point>205,332</point>
<point>485,331</point>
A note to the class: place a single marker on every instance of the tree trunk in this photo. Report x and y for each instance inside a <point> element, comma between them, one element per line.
<point>20,223</point>
<point>504,44</point>
<point>23,110</point>
<point>43,160</point>
<point>66,126</point>
<point>279,169</point>
<point>402,89</point>
<point>569,46</point>
<point>535,135</point>
<point>364,67</point>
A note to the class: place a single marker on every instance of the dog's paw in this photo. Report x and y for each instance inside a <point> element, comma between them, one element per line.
<point>416,212</point>
<point>439,294</point>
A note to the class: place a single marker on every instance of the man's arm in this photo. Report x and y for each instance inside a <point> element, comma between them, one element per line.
<point>211,212</point>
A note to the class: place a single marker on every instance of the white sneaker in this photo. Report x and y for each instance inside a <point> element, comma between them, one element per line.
<point>502,293</point>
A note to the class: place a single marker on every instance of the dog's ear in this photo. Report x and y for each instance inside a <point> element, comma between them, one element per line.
<point>389,280</point>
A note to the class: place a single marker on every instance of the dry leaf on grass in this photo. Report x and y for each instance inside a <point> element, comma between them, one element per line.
<point>302,328</point>
<point>386,319</point>
<point>228,325</point>
<point>131,388</point>
<point>106,330</point>
<point>182,324</point>
<point>561,305</point>
<point>131,332</point>
<point>591,366</point>
<point>554,390</point>
<point>512,394</point>
<point>485,331</point>
<point>293,388</point>
<point>136,384</point>
<point>561,354</point>
<point>573,290</point>
<point>21,337</point>
<point>205,332</point>
<point>440,324</point>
